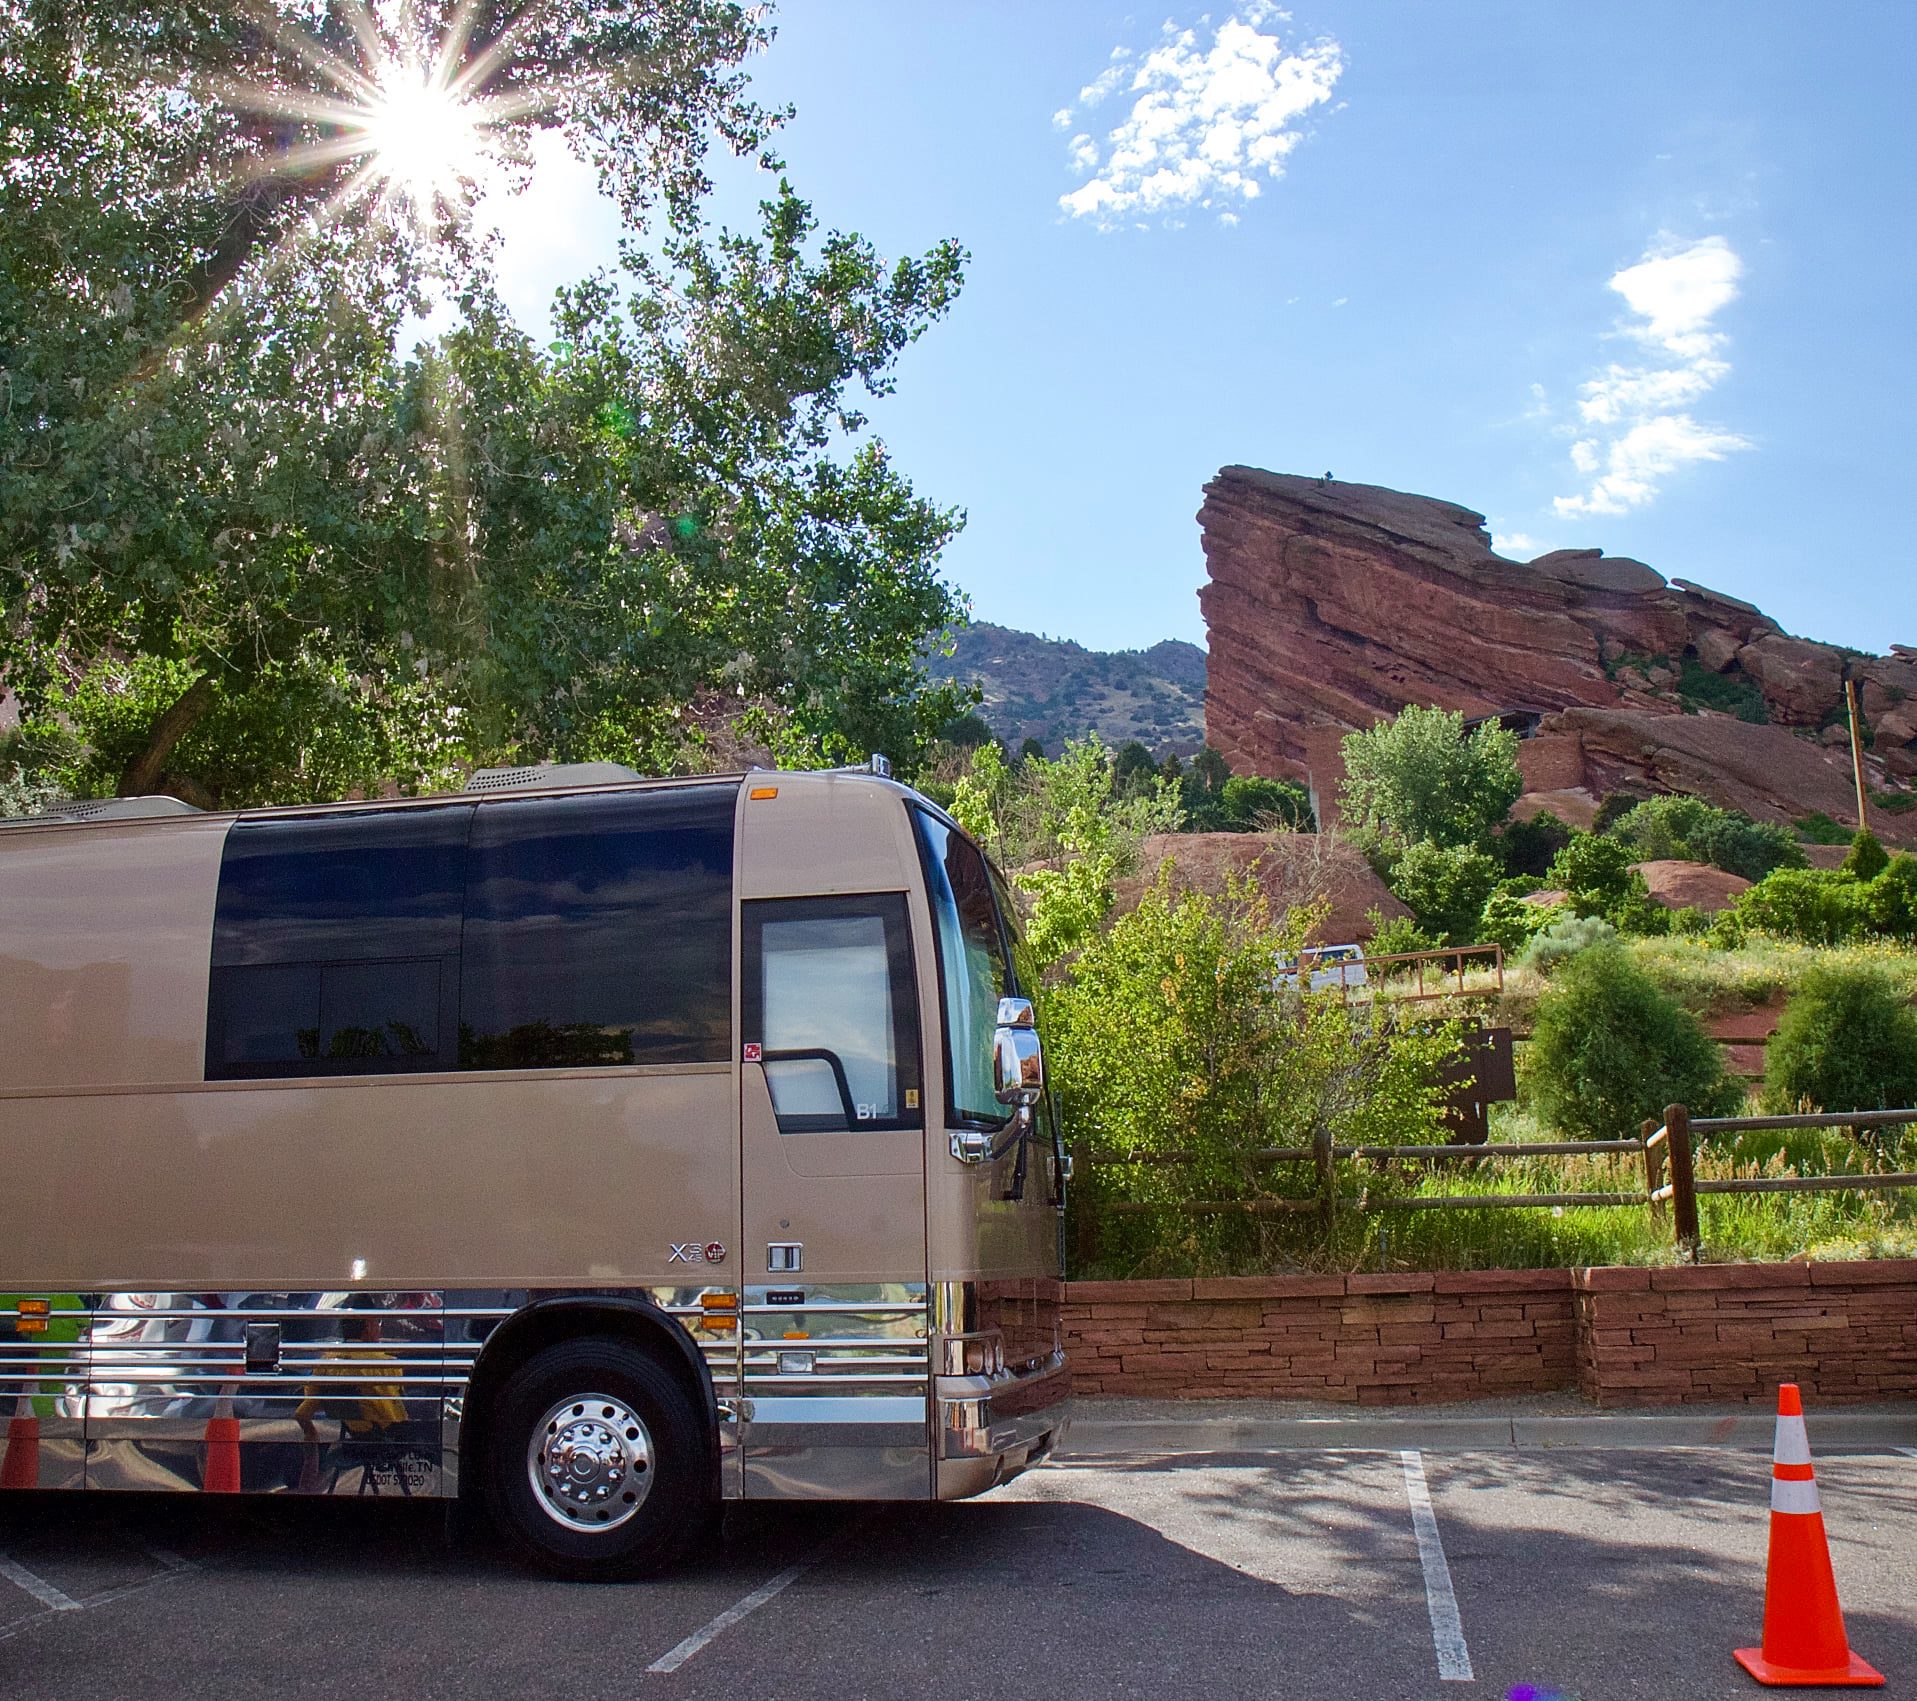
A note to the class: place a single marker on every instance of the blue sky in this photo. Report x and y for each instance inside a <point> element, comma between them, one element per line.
<point>1628,276</point>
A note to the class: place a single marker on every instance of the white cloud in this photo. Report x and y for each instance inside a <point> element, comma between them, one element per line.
<point>1209,118</point>
<point>1518,546</point>
<point>1636,424</point>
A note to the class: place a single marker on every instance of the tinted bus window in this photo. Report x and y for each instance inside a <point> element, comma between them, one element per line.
<point>599,931</point>
<point>336,944</point>
<point>973,971</point>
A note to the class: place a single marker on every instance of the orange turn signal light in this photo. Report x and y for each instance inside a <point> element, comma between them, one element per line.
<point>719,1301</point>
<point>759,793</point>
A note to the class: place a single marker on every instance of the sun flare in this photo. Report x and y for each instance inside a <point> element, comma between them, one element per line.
<point>421,139</point>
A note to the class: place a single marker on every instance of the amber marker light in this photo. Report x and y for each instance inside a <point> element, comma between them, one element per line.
<point>759,794</point>
<point>32,1316</point>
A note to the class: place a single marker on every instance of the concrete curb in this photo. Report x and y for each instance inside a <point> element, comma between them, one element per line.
<point>1831,1432</point>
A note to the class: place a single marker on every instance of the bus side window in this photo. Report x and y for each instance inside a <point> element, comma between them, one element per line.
<point>599,931</point>
<point>336,944</point>
<point>830,1002</point>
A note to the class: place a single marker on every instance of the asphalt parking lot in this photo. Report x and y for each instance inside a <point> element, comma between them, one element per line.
<point>1598,1575</point>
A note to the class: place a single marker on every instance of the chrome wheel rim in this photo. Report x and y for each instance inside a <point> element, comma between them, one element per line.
<point>590,1462</point>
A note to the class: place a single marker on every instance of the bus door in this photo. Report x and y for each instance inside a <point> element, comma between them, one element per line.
<point>832,1128</point>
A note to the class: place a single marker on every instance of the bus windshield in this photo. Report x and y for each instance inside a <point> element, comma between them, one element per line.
<point>974,972</point>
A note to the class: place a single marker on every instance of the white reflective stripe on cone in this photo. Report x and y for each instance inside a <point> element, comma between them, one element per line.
<point>1793,1445</point>
<point>1792,1496</point>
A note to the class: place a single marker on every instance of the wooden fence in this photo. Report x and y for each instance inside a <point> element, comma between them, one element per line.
<point>1670,1147</point>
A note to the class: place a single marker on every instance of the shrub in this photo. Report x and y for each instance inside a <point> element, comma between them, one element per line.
<point>1867,858</point>
<point>1846,1042</point>
<point>1817,828</point>
<point>1732,693</point>
<point>1695,831</point>
<point>1527,847</point>
<point>1892,899</point>
<point>967,731</point>
<point>1509,921</point>
<point>1420,777</point>
<point>1610,1049</point>
<point>1566,938</point>
<point>1596,872</point>
<point>1445,887</point>
<point>1171,1033</point>
<point>1401,933</point>
<point>1614,808</point>
<point>1819,906</point>
<point>1250,801</point>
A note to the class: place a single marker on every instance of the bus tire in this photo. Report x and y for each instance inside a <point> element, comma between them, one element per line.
<point>596,1464</point>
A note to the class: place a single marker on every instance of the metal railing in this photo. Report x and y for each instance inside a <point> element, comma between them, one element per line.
<point>1666,1148</point>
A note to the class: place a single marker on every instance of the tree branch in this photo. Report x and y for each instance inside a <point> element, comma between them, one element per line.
<point>144,772</point>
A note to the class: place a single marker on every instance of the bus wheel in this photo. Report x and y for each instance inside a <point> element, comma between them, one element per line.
<point>596,1467</point>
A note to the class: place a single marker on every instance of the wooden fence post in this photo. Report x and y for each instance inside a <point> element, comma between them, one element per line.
<point>1653,1170</point>
<point>1327,1179</point>
<point>1677,1118</point>
<point>1084,1219</point>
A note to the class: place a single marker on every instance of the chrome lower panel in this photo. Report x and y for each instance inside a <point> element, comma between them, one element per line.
<point>990,1427</point>
<point>821,1393</point>
<point>853,1423</point>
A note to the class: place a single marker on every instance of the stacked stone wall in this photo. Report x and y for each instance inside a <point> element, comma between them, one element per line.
<point>1622,1336</point>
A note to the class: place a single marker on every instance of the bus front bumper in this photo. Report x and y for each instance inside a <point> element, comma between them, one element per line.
<point>990,1428</point>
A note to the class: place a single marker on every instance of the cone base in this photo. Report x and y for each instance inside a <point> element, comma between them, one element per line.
<point>1858,1674</point>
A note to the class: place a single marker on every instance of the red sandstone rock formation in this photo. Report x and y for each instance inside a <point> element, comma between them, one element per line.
<point>1690,885</point>
<point>1333,605</point>
<point>1293,870</point>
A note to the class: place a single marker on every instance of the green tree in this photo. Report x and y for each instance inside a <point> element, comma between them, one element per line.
<point>1134,772</point>
<point>230,508</point>
<point>1866,858</point>
<point>967,731</point>
<point>1892,899</point>
<point>1250,802</point>
<point>1511,922</point>
<point>1420,776</point>
<point>1171,1033</point>
<point>1527,847</point>
<point>1065,832</point>
<point>1691,830</point>
<point>1609,1049</point>
<point>1847,1041</point>
<point>1445,887</point>
<point>1819,906</point>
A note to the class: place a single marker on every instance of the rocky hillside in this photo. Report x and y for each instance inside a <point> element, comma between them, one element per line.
<point>1051,689</point>
<point>1333,605</point>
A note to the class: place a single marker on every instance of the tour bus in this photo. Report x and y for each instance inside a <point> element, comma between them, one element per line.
<point>594,1146</point>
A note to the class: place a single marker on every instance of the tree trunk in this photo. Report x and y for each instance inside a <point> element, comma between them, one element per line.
<point>169,727</point>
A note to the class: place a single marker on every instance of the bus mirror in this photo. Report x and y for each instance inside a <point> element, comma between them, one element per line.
<point>1018,1066</point>
<point>1016,1013</point>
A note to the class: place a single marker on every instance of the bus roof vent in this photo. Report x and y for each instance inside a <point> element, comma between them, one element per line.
<point>548,776</point>
<point>107,809</point>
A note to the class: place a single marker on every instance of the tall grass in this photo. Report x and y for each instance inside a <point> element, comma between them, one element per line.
<point>1734,1226</point>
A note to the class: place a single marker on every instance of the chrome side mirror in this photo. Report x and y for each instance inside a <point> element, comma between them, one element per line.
<point>1018,1064</point>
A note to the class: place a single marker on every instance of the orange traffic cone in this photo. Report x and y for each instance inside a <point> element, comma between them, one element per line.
<point>21,1466</point>
<point>1804,1641</point>
<point>222,1449</point>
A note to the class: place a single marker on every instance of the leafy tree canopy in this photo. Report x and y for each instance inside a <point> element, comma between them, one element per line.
<point>1420,776</point>
<point>248,549</point>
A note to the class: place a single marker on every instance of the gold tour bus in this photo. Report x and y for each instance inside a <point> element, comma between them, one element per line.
<point>593,1146</point>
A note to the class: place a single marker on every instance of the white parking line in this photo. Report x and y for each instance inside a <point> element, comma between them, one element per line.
<point>678,1656</point>
<point>54,1600</point>
<point>1447,1629</point>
